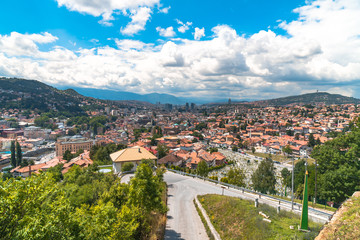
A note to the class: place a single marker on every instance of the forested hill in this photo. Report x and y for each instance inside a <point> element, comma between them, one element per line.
<point>309,98</point>
<point>33,95</point>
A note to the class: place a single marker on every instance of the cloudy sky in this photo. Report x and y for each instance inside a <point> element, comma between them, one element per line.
<point>243,49</point>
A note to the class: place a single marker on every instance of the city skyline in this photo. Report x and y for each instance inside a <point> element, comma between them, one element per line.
<point>239,49</point>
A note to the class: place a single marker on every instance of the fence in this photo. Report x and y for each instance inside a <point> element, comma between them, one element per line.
<point>249,191</point>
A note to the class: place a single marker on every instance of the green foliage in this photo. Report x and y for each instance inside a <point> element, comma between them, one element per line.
<point>85,205</point>
<point>338,166</point>
<point>236,176</point>
<point>127,167</point>
<point>234,148</point>
<point>213,149</point>
<point>263,178</point>
<point>311,142</point>
<point>198,135</point>
<point>18,154</point>
<point>224,180</point>
<point>287,149</point>
<point>202,169</point>
<point>286,177</point>
<point>162,150</point>
<point>67,155</point>
<point>144,190</point>
<point>13,158</point>
<point>101,154</point>
<point>201,126</point>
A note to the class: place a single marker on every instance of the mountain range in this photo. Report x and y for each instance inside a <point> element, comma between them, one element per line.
<point>309,98</point>
<point>32,94</point>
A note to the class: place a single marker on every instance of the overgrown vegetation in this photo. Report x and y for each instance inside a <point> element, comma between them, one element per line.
<point>234,218</point>
<point>86,204</point>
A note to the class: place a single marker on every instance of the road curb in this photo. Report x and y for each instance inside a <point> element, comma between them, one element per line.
<point>207,219</point>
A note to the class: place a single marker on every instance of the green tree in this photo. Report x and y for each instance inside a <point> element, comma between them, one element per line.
<point>144,190</point>
<point>68,155</point>
<point>18,154</point>
<point>236,176</point>
<point>234,148</point>
<point>13,158</point>
<point>263,178</point>
<point>202,169</point>
<point>127,167</point>
<point>213,149</point>
<point>311,141</point>
<point>162,150</point>
<point>253,150</point>
<point>287,149</point>
<point>286,177</point>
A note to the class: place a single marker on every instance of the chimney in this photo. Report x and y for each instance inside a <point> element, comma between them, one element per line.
<point>29,170</point>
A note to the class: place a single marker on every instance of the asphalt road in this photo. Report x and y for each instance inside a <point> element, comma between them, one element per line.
<point>183,221</point>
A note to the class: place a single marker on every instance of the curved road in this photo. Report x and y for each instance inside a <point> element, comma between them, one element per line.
<point>183,220</point>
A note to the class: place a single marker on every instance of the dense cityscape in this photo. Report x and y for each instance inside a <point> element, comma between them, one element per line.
<point>179,120</point>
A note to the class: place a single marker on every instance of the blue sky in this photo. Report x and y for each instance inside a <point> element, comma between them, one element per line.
<point>242,49</point>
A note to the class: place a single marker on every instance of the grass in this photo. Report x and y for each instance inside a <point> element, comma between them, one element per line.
<point>235,218</point>
<point>106,168</point>
<point>208,231</point>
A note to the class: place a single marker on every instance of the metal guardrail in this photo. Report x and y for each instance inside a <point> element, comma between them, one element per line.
<point>248,191</point>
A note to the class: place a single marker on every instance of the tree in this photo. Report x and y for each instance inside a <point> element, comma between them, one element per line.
<point>253,150</point>
<point>286,177</point>
<point>213,149</point>
<point>236,176</point>
<point>263,178</point>
<point>68,155</point>
<point>18,154</point>
<point>202,169</point>
<point>144,190</point>
<point>127,167</point>
<point>12,158</point>
<point>311,142</point>
<point>234,148</point>
<point>162,150</point>
<point>287,149</point>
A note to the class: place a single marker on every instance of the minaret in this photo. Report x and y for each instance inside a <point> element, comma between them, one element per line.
<point>304,214</point>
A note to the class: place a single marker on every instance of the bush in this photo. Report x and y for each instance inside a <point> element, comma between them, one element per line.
<point>127,167</point>
<point>224,180</point>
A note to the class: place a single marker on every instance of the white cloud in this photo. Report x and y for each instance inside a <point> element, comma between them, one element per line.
<point>183,26</point>
<point>164,10</point>
<point>139,18</point>
<point>199,33</point>
<point>264,65</point>
<point>17,44</point>
<point>139,9</point>
<point>166,32</point>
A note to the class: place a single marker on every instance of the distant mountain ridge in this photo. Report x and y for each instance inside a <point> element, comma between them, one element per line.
<point>309,98</point>
<point>34,95</point>
<point>122,95</point>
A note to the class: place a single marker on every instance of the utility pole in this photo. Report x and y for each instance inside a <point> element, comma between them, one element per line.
<point>292,185</point>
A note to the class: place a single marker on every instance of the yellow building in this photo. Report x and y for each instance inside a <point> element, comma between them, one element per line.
<point>133,155</point>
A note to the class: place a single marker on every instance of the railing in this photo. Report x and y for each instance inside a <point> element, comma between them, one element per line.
<point>248,191</point>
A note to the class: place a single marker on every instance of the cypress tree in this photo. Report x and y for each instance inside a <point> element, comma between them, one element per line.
<point>12,149</point>
<point>18,154</point>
